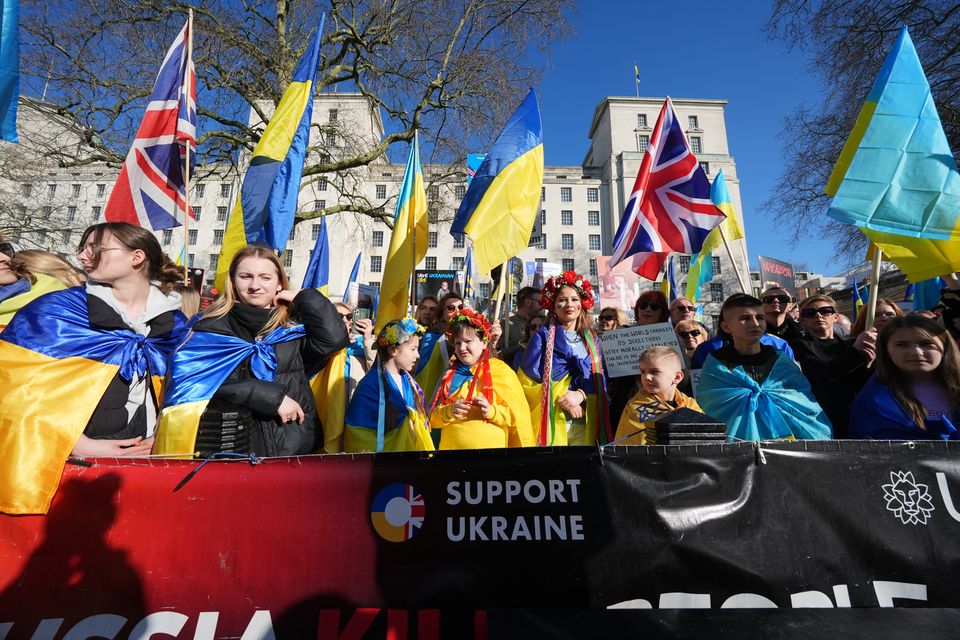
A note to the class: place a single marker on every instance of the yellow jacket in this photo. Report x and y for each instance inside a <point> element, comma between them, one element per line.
<point>649,406</point>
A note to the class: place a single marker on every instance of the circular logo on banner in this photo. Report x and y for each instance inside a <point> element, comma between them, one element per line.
<point>397,512</point>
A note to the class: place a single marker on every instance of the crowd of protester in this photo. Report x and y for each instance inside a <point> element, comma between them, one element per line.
<point>447,377</point>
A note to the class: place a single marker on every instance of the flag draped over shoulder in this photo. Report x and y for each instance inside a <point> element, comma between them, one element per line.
<point>267,204</point>
<point>54,369</point>
<point>9,69</point>
<point>896,177</point>
<point>670,207</point>
<point>150,191</point>
<point>701,264</point>
<point>503,200</point>
<point>318,270</point>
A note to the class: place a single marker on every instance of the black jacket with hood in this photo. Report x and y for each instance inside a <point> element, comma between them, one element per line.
<point>297,361</point>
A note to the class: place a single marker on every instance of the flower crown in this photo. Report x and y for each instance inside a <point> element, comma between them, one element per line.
<point>399,331</point>
<point>567,279</point>
<point>475,319</point>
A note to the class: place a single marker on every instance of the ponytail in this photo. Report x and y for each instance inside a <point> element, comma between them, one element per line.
<point>168,273</point>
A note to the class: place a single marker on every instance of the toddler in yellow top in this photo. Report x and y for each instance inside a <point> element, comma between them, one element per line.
<point>661,370</point>
<point>479,403</point>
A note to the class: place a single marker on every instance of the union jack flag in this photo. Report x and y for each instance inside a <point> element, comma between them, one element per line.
<point>670,208</point>
<point>150,190</point>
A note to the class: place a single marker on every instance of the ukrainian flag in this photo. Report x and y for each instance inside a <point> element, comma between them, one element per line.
<point>411,218</point>
<point>857,300</point>
<point>896,177</point>
<point>468,276</point>
<point>265,209</point>
<point>701,264</point>
<point>198,368</point>
<point>318,271</point>
<point>503,199</point>
<point>54,369</point>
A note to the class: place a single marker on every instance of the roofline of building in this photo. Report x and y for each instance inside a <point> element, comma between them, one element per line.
<point>660,99</point>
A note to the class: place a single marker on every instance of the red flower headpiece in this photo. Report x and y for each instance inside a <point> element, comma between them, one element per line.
<point>567,279</point>
<point>473,318</point>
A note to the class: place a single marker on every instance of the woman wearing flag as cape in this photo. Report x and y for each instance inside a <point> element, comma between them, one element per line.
<point>479,403</point>
<point>80,368</point>
<point>240,382</point>
<point>387,411</point>
<point>572,408</point>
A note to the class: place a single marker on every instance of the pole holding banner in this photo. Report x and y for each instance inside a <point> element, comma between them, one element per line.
<point>501,290</point>
<point>186,174</point>
<point>874,288</point>
<point>736,269</point>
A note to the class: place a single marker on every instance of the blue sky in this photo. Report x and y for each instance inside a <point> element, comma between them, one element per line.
<point>692,49</point>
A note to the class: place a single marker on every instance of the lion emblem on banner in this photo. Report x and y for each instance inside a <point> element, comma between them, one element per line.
<point>907,499</point>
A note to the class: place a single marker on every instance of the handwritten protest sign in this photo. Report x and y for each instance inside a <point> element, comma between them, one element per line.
<point>622,347</point>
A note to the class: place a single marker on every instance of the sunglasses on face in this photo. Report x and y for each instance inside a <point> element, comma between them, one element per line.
<point>453,307</point>
<point>653,306</point>
<point>813,313</point>
<point>608,318</point>
<point>781,298</point>
<point>7,249</point>
<point>686,334</point>
<point>681,307</point>
<point>346,316</point>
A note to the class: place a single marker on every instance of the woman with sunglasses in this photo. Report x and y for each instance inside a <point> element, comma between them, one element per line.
<point>80,368</point>
<point>837,368</point>
<point>19,284</point>
<point>562,371</point>
<point>651,308</point>
<point>611,318</point>
<point>691,335</point>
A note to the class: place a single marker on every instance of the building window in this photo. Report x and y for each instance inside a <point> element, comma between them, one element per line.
<point>288,258</point>
<point>458,262</point>
<point>192,236</point>
<point>26,190</point>
<point>322,184</point>
<point>569,264</point>
<point>41,237</point>
<point>332,115</point>
<point>459,241</point>
<point>684,264</point>
<point>566,242</point>
<point>381,191</point>
<point>593,267</point>
<point>217,237</point>
<point>101,190</point>
<point>214,261</point>
<point>319,205</point>
<point>224,189</point>
<point>378,238</point>
<point>51,190</point>
<point>593,218</point>
<point>543,194</point>
<point>375,284</point>
<point>315,232</point>
<point>566,194</point>
<point>716,265</point>
<point>566,218</point>
<point>201,188</point>
<point>695,144</point>
<point>71,214</point>
<point>541,260</point>
<point>376,264</point>
<point>595,242</point>
<point>432,215</point>
<point>433,193</point>
<point>324,158</point>
<point>293,234</point>
<point>221,214</point>
<point>196,212</point>
<point>641,121</point>
<point>706,167</point>
<point>431,263</point>
<point>716,291</point>
<point>543,217</point>
<point>693,122</point>
<point>432,240</point>
<point>190,259</point>
<point>331,139</point>
<point>543,242</point>
<point>96,213</point>
<point>75,190</point>
<point>642,142</point>
<point>65,236</point>
<point>593,194</point>
<point>167,236</point>
<point>459,191</point>
<point>484,289</point>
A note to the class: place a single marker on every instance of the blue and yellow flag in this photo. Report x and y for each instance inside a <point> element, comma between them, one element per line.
<point>896,177</point>
<point>669,283</point>
<point>410,226</point>
<point>857,300</point>
<point>198,368</point>
<point>54,369</point>
<point>318,270</point>
<point>701,263</point>
<point>468,274</point>
<point>503,199</point>
<point>9,69</point>
<point>265,209</point>
<point>354,274</point>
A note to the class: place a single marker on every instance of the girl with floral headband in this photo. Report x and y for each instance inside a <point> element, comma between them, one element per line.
<point>387,410</point>
<point>479,403</point>
<point>562,371</point>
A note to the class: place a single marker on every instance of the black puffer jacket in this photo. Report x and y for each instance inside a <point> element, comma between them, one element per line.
<point>297,361</point>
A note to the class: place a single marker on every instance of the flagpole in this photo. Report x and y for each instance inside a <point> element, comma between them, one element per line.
<point>736,269</point>
<point>186,175</point>
<point>874,288</point>
<point>412,225</point>
<point>501,286</point>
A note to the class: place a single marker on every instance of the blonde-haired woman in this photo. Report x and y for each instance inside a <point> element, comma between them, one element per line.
<point>240,382</point>
<point>19,284</point>
<point>49,264</point>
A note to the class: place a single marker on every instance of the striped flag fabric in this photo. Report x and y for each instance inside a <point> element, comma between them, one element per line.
<point>317,275</point>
